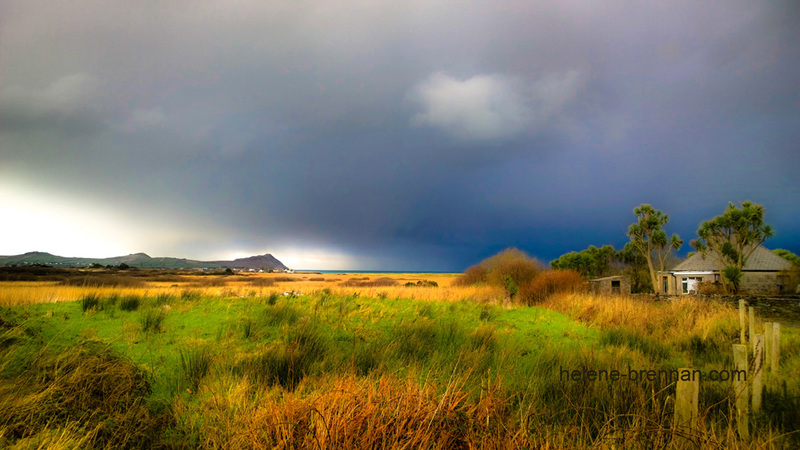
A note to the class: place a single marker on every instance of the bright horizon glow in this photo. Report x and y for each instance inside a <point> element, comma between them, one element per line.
<point>37,220</point>
<point>314,259</point>
<point>58,226</point>
<point>40,221</point>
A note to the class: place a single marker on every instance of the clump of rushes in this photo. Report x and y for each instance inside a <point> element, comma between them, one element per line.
<point>195,364</point>
<point>152,320</point>
<point>130,303</point>
<point>162,299</point>
<point>90,301</point>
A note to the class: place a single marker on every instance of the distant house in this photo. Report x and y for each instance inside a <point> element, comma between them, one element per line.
<point>618,284</point>
<point>761,274</point>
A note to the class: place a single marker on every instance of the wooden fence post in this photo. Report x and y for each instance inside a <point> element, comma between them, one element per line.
<point>768,344</point>
<point>751,323</point>
<point>687,394</point>
<point>776,345</point>
<point>741,391</point>
<point>742,339</point>
<point>758,381</point>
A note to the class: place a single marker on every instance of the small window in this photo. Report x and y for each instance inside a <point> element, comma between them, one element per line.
<point>615,286</point>
<point>666,285</point>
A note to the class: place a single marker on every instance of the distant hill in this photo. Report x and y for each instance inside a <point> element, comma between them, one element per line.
<point>143,261</point>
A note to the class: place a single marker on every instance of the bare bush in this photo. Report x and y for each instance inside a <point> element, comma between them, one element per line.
<point>512,263</point>
<point>549,283</point>
<point>473,275</point>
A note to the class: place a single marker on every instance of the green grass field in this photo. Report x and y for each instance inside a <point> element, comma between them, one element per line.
<point>328,370</point>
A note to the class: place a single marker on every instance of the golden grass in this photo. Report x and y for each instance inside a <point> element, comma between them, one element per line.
<point>28,292</point>
<point>660,319</point>
<point>354,412</point>
<point>87,388</point>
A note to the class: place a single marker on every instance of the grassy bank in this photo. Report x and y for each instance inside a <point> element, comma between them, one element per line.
<point>336,368</point>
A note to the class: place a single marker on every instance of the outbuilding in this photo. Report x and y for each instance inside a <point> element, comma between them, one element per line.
<point>617,284</point>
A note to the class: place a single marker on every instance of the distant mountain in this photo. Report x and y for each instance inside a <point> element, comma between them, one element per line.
<point>143,261</point>
<point>253,262</point>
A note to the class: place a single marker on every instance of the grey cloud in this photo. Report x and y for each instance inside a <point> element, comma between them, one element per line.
<point>485,107</point>
<point>445,128</point>
<point>69,103</point>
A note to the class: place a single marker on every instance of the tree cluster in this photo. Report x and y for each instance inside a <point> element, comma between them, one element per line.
<point>730,239</point>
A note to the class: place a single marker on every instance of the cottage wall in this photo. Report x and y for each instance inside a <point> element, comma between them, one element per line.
<point>759,283</point>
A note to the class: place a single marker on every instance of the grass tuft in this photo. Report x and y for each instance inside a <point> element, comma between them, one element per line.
<point>195,364</point>
<point>130,303</point>
<point>152,320</point>
<point>90,301</point>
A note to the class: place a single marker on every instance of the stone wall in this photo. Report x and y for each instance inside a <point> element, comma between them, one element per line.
<point>606,286</point>
<point>759,283</point>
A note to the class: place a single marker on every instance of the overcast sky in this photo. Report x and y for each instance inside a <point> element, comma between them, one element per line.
<point>415,135</point>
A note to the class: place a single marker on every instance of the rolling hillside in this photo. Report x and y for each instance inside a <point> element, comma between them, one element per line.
<point>143,261</point>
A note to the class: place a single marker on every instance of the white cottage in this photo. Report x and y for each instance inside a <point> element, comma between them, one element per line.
<point>761,274</point>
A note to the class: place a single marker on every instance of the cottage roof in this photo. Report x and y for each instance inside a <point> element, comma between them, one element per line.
<point>761,259</point>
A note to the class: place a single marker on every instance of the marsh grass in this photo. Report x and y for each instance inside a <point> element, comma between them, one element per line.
<point>341,367</point>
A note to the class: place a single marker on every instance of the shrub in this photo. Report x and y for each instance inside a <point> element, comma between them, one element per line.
<point>510,263</point>
<point>709,288</point>
<point>473,275</point>
<point>422,283</point>
<point>548,283</point>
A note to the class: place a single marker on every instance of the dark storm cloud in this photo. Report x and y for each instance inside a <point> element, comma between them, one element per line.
<point>423,134</point>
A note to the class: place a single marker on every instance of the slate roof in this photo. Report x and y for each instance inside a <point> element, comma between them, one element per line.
<point>761,259</point>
